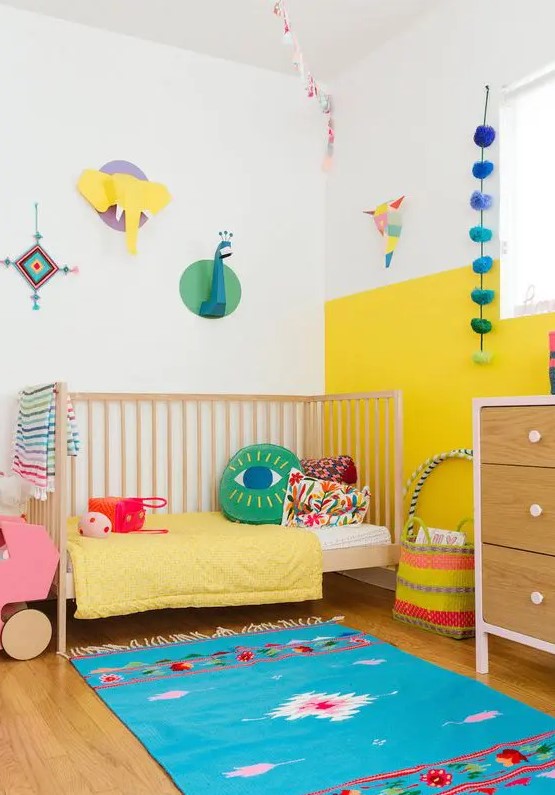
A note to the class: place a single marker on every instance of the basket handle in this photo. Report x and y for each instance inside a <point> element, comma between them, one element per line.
<point>409,524</point>
<point>462,523</point>
<point>425,470</point>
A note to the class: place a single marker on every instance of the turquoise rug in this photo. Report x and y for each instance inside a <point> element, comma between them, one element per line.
<point>320,710</point>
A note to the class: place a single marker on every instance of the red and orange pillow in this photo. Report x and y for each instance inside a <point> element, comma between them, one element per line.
<point>340,469</point>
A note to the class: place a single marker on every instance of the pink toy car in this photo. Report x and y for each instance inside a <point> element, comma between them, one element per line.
<point>28,561</point>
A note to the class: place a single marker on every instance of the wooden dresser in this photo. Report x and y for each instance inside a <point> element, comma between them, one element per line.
<point>514,509</point>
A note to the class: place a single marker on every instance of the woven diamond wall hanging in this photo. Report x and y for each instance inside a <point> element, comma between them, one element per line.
<point>36,266</point>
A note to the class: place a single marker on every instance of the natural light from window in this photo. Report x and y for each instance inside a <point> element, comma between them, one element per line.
<point>527,189</point>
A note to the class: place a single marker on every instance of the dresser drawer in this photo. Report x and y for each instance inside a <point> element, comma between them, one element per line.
<point>518,507</point>
<point>522,435</point>
<point>511,580</point>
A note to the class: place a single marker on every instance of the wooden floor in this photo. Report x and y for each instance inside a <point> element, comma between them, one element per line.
<point>56,736</point>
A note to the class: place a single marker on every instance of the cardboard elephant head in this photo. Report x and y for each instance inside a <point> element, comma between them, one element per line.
<point>131,195</point>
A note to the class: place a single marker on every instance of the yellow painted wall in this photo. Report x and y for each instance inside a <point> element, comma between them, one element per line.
<point>416,336</point>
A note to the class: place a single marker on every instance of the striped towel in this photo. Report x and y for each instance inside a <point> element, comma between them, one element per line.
<point>34,443</point>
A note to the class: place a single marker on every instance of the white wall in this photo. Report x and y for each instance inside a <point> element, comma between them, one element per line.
<point>405,120</point>
<point>239,148</point>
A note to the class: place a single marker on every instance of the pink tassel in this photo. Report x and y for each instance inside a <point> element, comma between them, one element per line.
<point>327,164</point>
<point>75,269</point>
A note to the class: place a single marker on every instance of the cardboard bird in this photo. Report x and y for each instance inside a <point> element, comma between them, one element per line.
<point>389,222</point>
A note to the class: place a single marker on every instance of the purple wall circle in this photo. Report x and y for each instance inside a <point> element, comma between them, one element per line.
<point>121,167</point>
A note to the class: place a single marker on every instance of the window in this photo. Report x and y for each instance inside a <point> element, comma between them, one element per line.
<point>527,189</point>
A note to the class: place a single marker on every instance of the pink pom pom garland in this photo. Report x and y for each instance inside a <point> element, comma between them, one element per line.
<point>313,88</point>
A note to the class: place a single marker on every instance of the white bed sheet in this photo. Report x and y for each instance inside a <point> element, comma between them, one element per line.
<point>361,535</point>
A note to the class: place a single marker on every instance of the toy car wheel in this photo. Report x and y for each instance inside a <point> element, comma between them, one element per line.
<point>26,634</point>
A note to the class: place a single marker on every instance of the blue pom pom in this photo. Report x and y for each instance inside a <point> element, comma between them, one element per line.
<point>480,201</point>
<point>480,234</point>
<point>482,265</point>
<point>484,136</point>
<point>482,170</point>
<point>482,297</point>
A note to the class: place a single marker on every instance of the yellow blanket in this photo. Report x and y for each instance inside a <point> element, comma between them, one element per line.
<point>204,561</point>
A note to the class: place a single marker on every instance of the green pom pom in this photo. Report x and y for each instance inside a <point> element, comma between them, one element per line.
<point>480,325</point>
<point>482,357</point>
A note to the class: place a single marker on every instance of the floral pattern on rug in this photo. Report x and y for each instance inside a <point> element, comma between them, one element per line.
<point>486,772</point>
<point>231,657</point>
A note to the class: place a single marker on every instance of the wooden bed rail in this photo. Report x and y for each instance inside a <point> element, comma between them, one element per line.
<point>177,445</point>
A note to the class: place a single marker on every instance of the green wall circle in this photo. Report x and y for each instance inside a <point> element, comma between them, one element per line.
<point>195,283</point>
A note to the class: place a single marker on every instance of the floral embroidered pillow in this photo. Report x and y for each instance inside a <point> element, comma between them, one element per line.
<point>340,468</point>
<point>310,502</point>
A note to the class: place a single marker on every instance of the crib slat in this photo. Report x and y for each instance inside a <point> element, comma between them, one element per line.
<point>185,455</point>
<point>367,454</point>
<point>154,454</point>
<point>214,506</point>
<point>377,483</point>
<point>241,426</point>
<point>199,455</point>
<point>89,450</point>
<point>139,436</point>
<point>348,441</point>
<point>169,451</point>
<point>227,432</point>
<point>106,448</point>
<point>387,472</point>
<point>357,443</point>
<point>269,422</point>
<point>123,455</point>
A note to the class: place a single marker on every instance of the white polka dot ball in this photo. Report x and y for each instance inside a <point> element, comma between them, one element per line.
<point>94,525</point>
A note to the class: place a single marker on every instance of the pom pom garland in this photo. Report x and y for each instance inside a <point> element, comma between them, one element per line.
<point>480,325</point>
<point>481,296</point>
<point>484,136</point>
<point>481,201</point>
<point>482,169</point>
<point>480,234</point>
<point>482,357</point>
<point>482,265</point>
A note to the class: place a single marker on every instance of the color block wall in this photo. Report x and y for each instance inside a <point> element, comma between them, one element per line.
<point>415,336</point>
<point>406,117</point>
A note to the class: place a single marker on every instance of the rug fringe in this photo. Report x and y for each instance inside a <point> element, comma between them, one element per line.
<point>191,637</point>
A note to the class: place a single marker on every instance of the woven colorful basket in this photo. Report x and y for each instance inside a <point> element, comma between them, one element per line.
<point>435,584</point>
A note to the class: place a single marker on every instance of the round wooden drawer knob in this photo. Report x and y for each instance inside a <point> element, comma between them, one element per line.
<point>536,510</point>
<point>536,597</point>
<point>534,436</point>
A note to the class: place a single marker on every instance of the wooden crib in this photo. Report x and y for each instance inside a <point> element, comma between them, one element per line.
<point>176,445</point>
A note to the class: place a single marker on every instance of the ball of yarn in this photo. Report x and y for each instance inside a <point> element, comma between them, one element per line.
<point>480,234</point>
<point>482,170</point>
<point>482,297</point>
<point>482,357</point>
<point>481,201</point>
<point>482,264</point>
<point>480,325</point>
<point>484,136</point>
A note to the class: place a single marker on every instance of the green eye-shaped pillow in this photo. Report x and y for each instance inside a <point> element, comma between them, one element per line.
<point>254,483</point>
